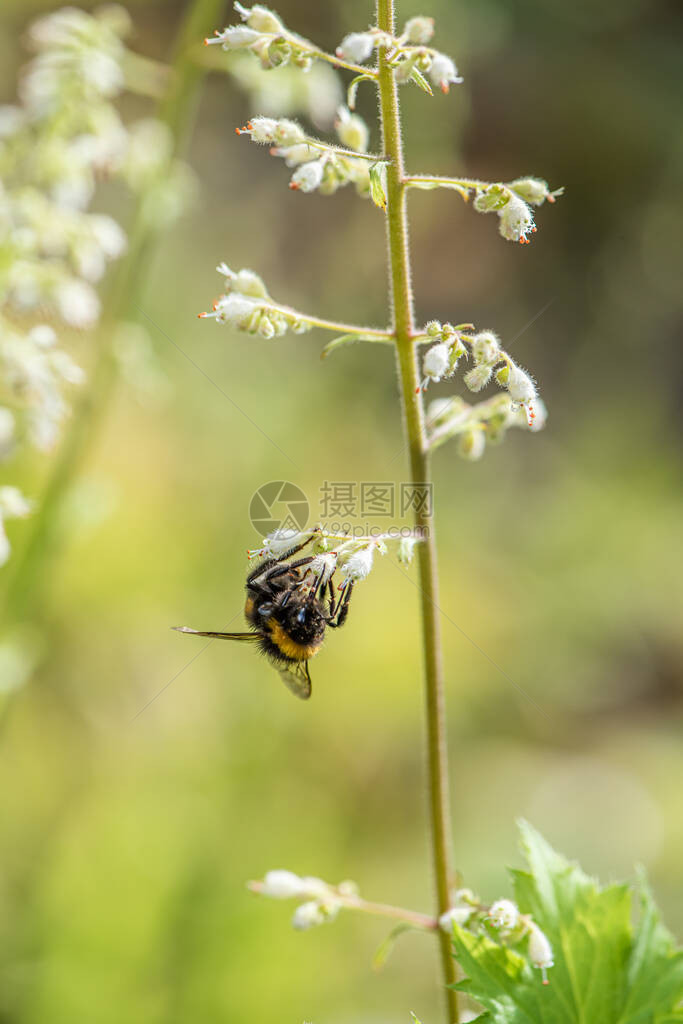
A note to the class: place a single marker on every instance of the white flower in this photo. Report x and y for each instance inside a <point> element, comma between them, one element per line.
<point>356,47</point>
<point>6,428</point>
<point>283,885</point>
<point>295,155</point>
<point>456,915</point>
<point>280,541</point>
<point>308,176</point>
<point>419,30</point>
<point>478,377</point>
<point>236,37</point>
<point>77,303</point>
<point>260,18</point>
<point>232,309</point>
<point>323,566</point>
<point>261,129</point>
<point>540,950</point>
<point>536,414</point>
<point>13,504</point>
<point>516,220</point>
<point>359,565</point>
<point>472,444</point>
<point>308,915</point>
<point>42,335</point>
<point>109,235</point>
<point>504,914</point>
<point>442,72</point>
<point>352,130</point>
<point>485,347</point>
<point>520,385</point>
<point>436,362</point>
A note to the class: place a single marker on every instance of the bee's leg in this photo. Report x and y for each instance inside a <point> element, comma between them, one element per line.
<point>341,609</point>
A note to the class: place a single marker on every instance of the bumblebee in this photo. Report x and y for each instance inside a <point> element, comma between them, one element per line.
<point>289,606</point>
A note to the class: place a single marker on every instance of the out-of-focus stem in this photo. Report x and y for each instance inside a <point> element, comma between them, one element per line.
<point>29,568</point>
<point>402,308</point>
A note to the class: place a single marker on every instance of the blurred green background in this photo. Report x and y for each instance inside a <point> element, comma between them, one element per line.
<point>126,841</point>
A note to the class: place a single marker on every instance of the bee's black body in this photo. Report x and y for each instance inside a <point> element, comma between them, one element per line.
<point>288,608</point>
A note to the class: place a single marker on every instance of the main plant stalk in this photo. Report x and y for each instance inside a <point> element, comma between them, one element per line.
<point>402,310</point>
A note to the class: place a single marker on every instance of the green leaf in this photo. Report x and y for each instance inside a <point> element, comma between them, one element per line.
<point>350,339</point>
<point>605,971</point>
<point>378,179</point>
<point>417,77</point>
<point>352,90</point>
<point>384,949</point>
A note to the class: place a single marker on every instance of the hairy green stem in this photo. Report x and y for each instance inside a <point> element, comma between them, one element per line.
<point>29,573</point>
<point>402,309</point>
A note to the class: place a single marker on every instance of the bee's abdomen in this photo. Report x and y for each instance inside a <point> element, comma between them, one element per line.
<point>282,645</point>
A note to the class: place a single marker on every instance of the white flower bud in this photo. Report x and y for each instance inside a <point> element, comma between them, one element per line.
<point>247,282</point>
<point>283,885</point>
<point>109,235</point>
<point>472,444</point>
<point>478,377</point>
<point>485,348</point>
<point>504,914</point>
<point>419,30</point>
<point>288,133</point>
<point>516,220</point>
<point>456,915</point>
<point>436,362</point>
<point>260,18</point>
<point>359,565</point>
<point>520,385</point>
<point>406,548</point>
<point>315,887</point>
<point>433,329</point>
<point>356,47</point>
<point>308,915</point>
<point>442,72</point>
<point>295,155</point>
<point>307,177</point>
<point>532,190</point>
<point>352,130</point>
<point>540,950</point>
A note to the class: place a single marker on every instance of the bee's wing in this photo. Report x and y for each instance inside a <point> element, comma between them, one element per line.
<point>296,678</point>
<point>216,636</point>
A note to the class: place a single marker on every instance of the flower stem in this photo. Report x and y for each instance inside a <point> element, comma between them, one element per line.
<point>29,576</point>
<point>402,309</point>
<point>411,917</point>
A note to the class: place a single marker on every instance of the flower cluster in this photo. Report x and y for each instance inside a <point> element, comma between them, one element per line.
<point>33,376</point>
<point>320,902</point>
<point>62,137</point>
<point>408,54</point>
<point>474,424</point>
<point>353,557</point>
<point>263,34</point>
<point>503,922</point>
<point>319,166</point>
<point>513,204</point>
<point>246,305</point>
